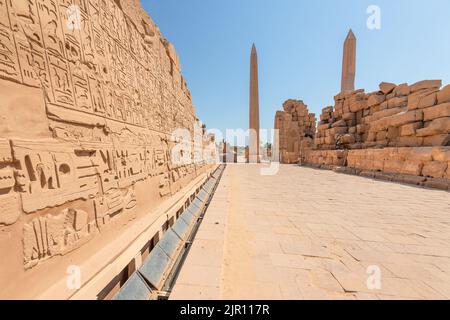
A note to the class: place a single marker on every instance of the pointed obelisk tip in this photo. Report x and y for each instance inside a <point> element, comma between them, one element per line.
<point>253,48</point>
<point>351,34</point>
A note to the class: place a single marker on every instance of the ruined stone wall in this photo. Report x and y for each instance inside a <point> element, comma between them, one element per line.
<point>425,166</point>
<point>89,97</point>
<point>400,133</point>
<point>296,129</point>
<point>396,116</point>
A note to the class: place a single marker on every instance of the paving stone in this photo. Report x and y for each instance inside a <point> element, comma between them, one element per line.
<point>312,234</point>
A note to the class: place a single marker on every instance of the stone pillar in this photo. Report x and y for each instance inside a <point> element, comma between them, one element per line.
<point>349,63</point>
<point>254,152</point>
<point>224,151</point>
<point>235,154</point>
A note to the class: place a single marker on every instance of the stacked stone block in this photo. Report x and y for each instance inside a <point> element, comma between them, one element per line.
<point>395,116</point>
<point>296,127</point>
<point>399,133</point>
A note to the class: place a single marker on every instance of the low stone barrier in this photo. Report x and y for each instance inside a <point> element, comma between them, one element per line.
<point>425,166</point>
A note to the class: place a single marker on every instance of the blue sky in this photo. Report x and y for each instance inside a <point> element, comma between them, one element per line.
<point>299,46</point>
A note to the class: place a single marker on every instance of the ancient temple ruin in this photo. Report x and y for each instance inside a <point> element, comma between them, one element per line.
<point>397,133</point>
<point>296,129</point>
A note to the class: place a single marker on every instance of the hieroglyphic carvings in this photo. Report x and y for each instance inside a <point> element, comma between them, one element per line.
<point>113,93</point>
<point>9,212</point>
<point>49,235</point>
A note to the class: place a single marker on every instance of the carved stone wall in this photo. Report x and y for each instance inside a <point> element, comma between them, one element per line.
<point>90,93</point>
<point>296,130</point>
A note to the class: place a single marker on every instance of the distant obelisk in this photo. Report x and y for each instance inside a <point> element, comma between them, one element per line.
<point>349,63</point>
<point>253,155</point>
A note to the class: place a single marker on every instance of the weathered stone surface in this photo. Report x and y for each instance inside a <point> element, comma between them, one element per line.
<point>296,130</point>
<point>397,102</point>
<point>434,169</point>
<point>405,118</point>
<point>428,101</point>
<point>340,123</point>
<point>402,90</point>
<point>415,98</point>
<point>435,112</point>
<point>410,129</point>
<point>426,84</point>
<point>375,99</point>
<point>437,140</point>
<point>443,95</point>
<point>441,154</point>
<point>387,87</point>
<point>437,126</point>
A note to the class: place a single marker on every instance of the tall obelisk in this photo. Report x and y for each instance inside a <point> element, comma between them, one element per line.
<point>253,155</point>
<point>349,63</point>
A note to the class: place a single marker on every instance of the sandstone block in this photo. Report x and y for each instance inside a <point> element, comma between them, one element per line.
<point>325,117</point>
<point>371,136</point>
<point>409,141</point>
<point>381,135</point>
<point>375,99</point>
<point>412,167</point>
<point>438,111</point>
<point>393,165</point>
<point>390,96</point>
<point>397,102</point>
<point>427,101</point>
<point>402,90</point>
<point>414,99</point>
<point>416,154</point>
<point>441,154</point>
<point>392,133</point>
<point>410,129</point>
<point>340,123</point>
<point>330,140</point>
<point>351,123</point>
<point>435,127</point>
<point>434,169</point>
<point>387,87</point>
<point>356,106</point>
<point>443,95</point>
<point>387,113</point>
<point>361,128</point>
<point>426,84</point>
<point>405,118</point>
<point>338,130</point>
<point>348,116</point>
<point>384,105</point>
<point>323,126</point>
<point>348,139</point>
<point>437,140</point>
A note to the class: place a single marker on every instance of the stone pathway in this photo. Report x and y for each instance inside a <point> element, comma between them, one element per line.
<point>312,234</point>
